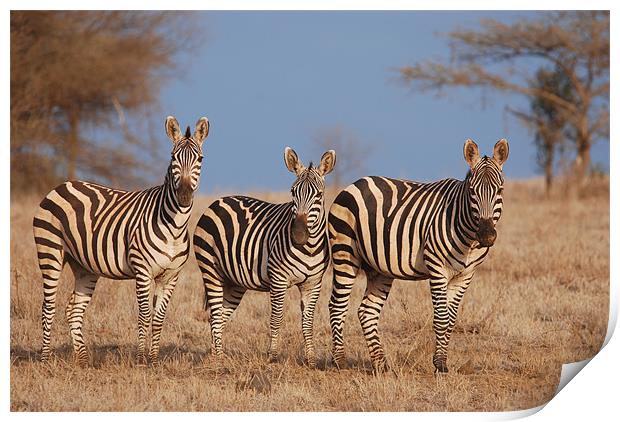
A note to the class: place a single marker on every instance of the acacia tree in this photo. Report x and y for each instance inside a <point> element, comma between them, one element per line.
<point>77,72</point>
<point>500,55</point>
<point>547,120</point>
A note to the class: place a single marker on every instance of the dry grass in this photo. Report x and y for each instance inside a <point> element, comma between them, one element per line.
<point>539,300</point>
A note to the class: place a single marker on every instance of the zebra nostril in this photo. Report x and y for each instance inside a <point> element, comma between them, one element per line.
<point>486,233</point>
<point>299,230</point>
<point>184,195</point>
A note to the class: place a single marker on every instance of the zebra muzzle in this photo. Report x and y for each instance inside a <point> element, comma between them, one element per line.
<point>184,195</point>
<point>486,234</point>
<point>299,230</point>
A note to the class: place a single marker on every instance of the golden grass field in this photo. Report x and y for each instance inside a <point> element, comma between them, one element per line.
<point>541,299</point>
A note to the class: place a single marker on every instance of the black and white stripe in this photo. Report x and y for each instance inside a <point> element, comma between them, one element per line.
<point>388,228</point>
<point>244,243</point>
<point>104,232</point>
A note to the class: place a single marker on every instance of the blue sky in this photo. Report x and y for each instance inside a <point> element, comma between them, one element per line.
<point>271,79</point>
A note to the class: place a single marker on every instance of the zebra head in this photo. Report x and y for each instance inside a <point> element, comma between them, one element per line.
<point>186,158</point>
<point>307,192</point>
<point>485,185</point>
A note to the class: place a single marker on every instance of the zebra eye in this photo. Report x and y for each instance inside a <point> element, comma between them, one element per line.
<point>200,159</point>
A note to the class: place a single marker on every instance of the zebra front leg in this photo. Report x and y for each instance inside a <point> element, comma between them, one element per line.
<point>159,315</point>
<point>276,299</point>
<point>455,292</point>
<point>441,319</point>
<point>309,295</point>
<point>143,292</point>
<point>377,290</point>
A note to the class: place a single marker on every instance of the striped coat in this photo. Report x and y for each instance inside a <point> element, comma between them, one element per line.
<point>105,232</point>
<point>244,243</point>
<point>388,228</point>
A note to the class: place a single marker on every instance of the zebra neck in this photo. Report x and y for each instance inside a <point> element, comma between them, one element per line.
<point>317,234</point>
<point>464,224</point>
<point>170,213</point>
<point>318,228</point>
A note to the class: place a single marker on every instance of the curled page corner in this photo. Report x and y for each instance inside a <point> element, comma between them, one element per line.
<point>569,370</point>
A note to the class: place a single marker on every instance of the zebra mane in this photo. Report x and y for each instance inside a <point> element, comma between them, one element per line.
<point>188,132</point>
<point>310,166</point>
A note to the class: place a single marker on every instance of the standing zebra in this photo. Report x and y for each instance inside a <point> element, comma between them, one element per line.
<point>104,232</point>
<point>438,231</point>
<point>244,243</point>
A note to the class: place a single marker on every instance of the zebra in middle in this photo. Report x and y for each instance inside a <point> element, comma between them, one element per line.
<point>389,228</point>
<point>244,243</point>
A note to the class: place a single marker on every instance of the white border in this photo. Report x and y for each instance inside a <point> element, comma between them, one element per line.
<point>592,393</point>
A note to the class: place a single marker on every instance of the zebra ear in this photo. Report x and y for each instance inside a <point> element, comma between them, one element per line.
<point>172,129</point>
<point>292,161</point>
<point>328,161</point>
<point>471,153</point>
<point>202,130</point>
<point>500,152</point>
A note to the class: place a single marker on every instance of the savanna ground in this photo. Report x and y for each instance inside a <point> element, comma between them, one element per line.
<point>541,299</point>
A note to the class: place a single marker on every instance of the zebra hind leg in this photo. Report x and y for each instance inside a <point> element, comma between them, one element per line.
<point>345,268</point>
<point>85,283</point>
<point>233,294</point>
<point>377,290</point>
<point>214,298</point>
<point>51,256</point>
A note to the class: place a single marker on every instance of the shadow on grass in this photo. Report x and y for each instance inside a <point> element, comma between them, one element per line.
<point>110,353</point>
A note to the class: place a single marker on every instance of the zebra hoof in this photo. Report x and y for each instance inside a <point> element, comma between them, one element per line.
<point>441,368</point>
<point>338,359</point>
<point>81,357</point>
<point>310,362</point>
<point>154,359</point>
<point>141,359</point>
<point>273,357</point>
<point>440,363</point>
<point>339,363</point>
<point>381,367</point>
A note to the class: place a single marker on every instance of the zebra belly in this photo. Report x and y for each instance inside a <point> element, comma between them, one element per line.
<point>117,269</point>
<point>250,271</point>
<point>389,251</point>
<point>405,266</point>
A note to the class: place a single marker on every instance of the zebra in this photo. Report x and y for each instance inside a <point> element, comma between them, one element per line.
<point>388,228</point>
<point>105,232</point>
<point>243,243</point>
